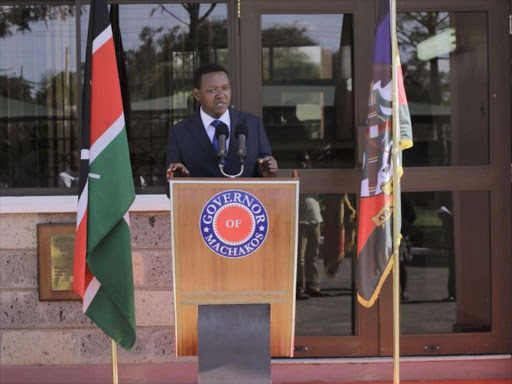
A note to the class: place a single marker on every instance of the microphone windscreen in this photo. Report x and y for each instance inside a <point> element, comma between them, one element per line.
<point>241,129</point>
<point>222,129</point>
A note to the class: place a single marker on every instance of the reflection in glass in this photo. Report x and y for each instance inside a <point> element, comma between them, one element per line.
<point>445,274</point>
<point>162,46</point>
<point>307,88</point>
<point>325,270</point>
<point>38,97</point>
<point>445,65</point>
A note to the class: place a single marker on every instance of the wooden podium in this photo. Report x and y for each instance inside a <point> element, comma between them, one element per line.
<point>234,241</point>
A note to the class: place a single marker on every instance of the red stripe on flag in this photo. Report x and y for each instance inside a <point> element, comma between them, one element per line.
<point>402,98</point>
<point>106,101</point>
<point>369,207</point>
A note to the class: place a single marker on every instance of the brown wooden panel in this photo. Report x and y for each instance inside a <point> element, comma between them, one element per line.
<point>414,179</point>
<point>441,5</point>
<point>265,276</point>
<point>327,346</point>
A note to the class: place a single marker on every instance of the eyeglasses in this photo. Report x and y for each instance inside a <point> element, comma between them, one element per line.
<point>218,91</point>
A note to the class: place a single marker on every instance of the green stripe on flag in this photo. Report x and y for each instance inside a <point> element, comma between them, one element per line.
<point>108,242</point>
<point>113,309</point>
<point>113,193</point>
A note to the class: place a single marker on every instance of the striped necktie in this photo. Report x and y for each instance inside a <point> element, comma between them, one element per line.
<point>215,142</point>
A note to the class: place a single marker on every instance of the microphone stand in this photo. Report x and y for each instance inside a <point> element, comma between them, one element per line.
<point>241,134</point>
<point>221,167</point>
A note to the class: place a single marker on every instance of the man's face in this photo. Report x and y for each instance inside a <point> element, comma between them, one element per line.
<point>214,95</point>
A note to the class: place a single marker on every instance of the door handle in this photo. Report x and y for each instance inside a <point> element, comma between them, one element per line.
<point>300,348</point>
<point>432,348</point>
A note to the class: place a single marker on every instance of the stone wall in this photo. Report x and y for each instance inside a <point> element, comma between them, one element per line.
<point>56,332</point>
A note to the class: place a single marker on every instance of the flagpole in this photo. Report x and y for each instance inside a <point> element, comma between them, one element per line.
<point>114,362</point>
<point>396,200</point>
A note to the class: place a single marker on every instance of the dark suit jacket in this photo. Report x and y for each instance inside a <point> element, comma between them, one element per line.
<point>189,144</point>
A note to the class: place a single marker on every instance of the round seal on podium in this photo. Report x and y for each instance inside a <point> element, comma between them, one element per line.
<point>233,223</point>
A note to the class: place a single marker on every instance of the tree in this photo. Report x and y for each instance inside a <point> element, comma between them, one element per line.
<point>16,87</point>
<point>164,57</point>
<point>191,41</point>
<point>57,91</point>
<point>426,84</point>
<point>423,79</point>
<point>283,58</point>
<point>286,36</point>
<point>19,18</point>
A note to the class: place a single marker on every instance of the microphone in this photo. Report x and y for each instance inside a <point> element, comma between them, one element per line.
<point>222,134</point>
<point>241,133</point>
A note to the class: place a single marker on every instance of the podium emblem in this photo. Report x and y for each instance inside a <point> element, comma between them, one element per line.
<point>233,223</point>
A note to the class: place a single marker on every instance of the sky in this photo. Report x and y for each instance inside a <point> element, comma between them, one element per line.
<point>51,45</point>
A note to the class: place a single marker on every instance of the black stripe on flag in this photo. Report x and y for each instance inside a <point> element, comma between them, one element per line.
<point>98,22</point>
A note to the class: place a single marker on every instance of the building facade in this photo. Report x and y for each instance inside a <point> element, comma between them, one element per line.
<point>304,67</point>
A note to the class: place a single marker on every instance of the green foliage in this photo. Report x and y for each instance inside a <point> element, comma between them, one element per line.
<point>425,81</point>
<point>15,87</point>
<point>167,58</point>
<point>286,36</point>
<point>19,18</point>
<point>283,58</point>
<point>426,217</point>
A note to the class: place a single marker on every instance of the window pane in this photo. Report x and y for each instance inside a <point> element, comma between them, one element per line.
<point>163,45</point>
<point>307,88</point>
<point>325,268</point>
<point>38,97</point>
<point>445,271</point>
<point>445,64</point>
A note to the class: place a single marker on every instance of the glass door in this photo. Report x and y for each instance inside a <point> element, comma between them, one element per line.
<point>456,200</point>
<point>298,74</point>
<point>305,69</point>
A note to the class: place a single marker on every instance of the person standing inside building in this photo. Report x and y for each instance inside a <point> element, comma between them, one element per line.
<point>310,221</point>
<point>190,143</point>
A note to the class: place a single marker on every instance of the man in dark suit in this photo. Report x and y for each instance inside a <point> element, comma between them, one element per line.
<point>190,148</point>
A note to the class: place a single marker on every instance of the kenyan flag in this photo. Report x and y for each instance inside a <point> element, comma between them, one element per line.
<point>102,271</point>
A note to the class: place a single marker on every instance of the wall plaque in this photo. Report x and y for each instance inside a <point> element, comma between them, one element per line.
<point>55,245</point>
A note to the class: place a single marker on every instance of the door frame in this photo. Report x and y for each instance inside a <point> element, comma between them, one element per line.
<point>374,333</point>
<point>494,178</point>
<point>365,342</point>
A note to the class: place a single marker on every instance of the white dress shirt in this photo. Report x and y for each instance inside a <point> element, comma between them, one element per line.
<point>309,211</point>
<point>210,129</point>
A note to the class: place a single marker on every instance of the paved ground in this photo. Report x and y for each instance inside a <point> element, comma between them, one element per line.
<point>424,312</point>
<point>505,381</point>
